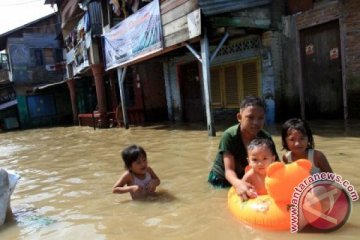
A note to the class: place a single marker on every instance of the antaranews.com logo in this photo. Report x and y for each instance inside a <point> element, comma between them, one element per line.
<point>321,203</point>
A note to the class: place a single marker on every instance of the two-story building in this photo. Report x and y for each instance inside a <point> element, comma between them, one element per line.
<point>135,62</point>
<point>187,60</point>
<point>35,69</point>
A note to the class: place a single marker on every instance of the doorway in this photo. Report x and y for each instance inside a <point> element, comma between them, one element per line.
<point>190,87</point>
<point>321,71</point>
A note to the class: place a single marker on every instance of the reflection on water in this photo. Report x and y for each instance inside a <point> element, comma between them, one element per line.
<point>67,176</point>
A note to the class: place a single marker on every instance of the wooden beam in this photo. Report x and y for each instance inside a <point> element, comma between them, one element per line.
<point>240,22</point>
<point>178,12</point>
<point>175,26</point>
<point>177,37</point>
<point>166,6</point>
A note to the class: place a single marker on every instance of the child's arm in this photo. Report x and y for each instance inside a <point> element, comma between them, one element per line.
<point>284,158</point>
<point>248,178</point>
<point>241,187</point>
<point>155,181</point>
<point>122,184</point>
<point>321,162</point>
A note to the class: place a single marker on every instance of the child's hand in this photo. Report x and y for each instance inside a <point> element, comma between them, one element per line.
<point>252,193</point>
<point>151,187</point>
<point>242,189</point>
<point>136,189</point>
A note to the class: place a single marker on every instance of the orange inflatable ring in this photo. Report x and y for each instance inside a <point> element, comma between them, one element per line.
<point>271,211</point>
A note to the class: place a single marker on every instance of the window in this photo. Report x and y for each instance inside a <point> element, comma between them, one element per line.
<point>43,56</point>
<point>49,56</point>
<point>232,82</point>
<point>4,61</point>
<point>4,58</point>
<point>41,106</point>
<point>38,57</point>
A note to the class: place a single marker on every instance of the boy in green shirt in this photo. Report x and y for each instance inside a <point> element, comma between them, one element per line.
<point>231,159</point>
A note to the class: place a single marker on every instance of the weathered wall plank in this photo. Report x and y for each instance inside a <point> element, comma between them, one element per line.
<point>175,26</point>
<point>178,12</point>
<point>178,37</point>
<point>174,20</point>
<point>168,5</point>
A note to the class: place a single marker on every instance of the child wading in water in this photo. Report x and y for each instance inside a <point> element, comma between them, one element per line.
<point>261,153</point>
<point>229,165</point>
<point>298,141</point>
<point>139,179</point>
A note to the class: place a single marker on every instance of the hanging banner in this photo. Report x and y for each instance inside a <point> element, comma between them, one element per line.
<point>136,36</point>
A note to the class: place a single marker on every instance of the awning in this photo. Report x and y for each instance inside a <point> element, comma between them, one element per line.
<point>8,104</point>
<point>213,7</point>
<point>48,85</point>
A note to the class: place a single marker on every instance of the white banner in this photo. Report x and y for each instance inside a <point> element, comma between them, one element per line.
<point>136,36</point>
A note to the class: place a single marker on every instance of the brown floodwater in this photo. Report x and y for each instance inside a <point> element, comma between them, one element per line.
<point>67,174</point>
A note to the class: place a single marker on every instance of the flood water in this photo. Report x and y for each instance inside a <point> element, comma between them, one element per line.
<point>67,174</point>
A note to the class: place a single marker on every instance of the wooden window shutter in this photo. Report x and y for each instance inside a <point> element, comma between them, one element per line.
<point>215,87</point>
<point>49,55</point>
<point>249,71</point>
<point>231,86</point>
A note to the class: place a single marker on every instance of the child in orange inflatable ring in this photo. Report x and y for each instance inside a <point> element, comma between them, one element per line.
<point>261,153</point>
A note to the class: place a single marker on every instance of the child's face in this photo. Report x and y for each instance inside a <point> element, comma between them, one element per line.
<point>260,158</point>
<point>139,166</point>
<point>296,141</point>
<point>252,119</point>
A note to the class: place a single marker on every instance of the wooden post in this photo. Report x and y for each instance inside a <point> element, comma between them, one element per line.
<point>121,72</point>
<point>205,60</point>
<point>98,71</point>
<point>72,90</point>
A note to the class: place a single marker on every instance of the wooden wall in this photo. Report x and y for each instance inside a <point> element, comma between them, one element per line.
<point>174,20</point>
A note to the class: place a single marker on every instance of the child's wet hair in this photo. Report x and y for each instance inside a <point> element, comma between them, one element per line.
<point>300,125</point>
<point>257,142</point>
<point>250,101</point>
<point>131,153</point>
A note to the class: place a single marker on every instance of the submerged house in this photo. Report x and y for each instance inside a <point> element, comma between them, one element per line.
<point>35,70</point>
<point>94,92</point>
<point>180,61</point>
<point>322,76</point>
<point>137,62</point>
<point>8,102</point>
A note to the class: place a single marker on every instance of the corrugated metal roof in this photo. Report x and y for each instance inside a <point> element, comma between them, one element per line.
<point>212,7</point>
<point>8,104</point>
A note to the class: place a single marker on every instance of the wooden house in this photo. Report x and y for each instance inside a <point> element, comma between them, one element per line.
<point>35,69</point>
<point>169,60</point>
